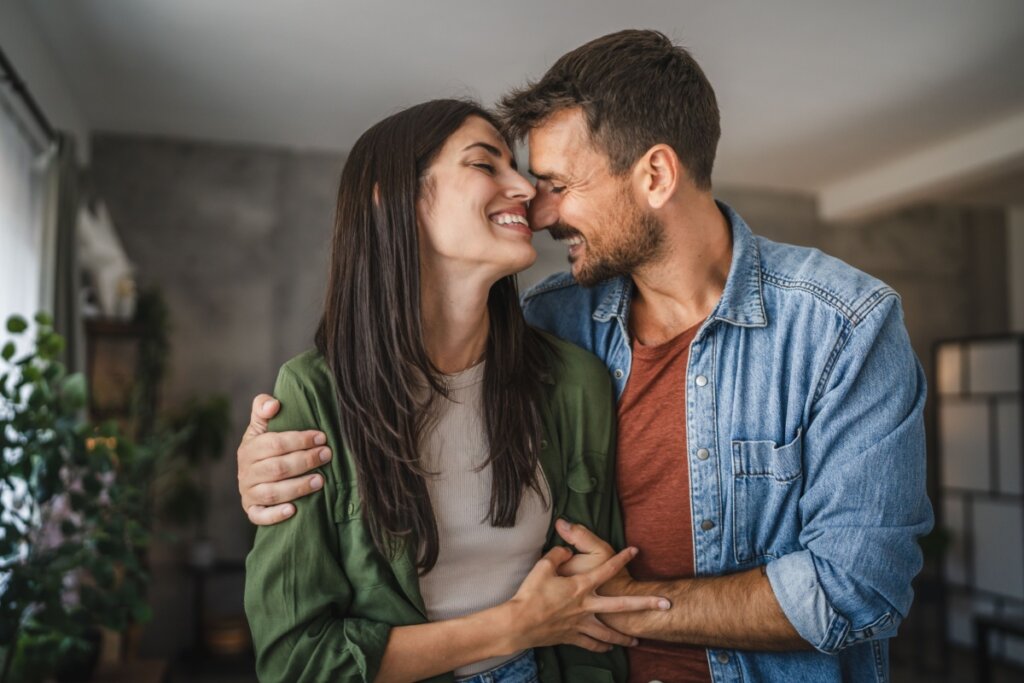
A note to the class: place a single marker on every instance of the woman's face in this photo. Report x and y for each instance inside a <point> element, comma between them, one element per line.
<point>472,211</point>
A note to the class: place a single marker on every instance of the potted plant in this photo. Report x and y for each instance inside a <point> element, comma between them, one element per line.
<point>200,430</point>
<point>73,524</point>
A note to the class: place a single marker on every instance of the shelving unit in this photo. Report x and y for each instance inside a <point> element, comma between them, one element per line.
<point>980,441</point>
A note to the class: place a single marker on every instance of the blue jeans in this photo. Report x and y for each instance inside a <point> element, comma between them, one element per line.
<point>522,669</point>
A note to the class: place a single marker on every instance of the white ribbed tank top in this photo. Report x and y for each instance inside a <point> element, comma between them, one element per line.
<point>478,566</point>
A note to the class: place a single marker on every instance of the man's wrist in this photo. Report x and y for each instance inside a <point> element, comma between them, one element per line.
<point>620,584</point>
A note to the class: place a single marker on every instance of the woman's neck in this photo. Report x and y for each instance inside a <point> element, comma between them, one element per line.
<point>453,310</point>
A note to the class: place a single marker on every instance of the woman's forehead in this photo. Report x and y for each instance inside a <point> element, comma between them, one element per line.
<point>477,130</point>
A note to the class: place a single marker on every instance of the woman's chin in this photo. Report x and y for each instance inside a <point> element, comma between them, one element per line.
<point>529,258</point>
<point>514,266</point>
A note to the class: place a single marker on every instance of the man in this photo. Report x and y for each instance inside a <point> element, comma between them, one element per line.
<point>771,463</point>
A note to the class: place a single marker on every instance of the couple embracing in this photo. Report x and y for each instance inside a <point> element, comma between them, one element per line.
<point>699,456</point>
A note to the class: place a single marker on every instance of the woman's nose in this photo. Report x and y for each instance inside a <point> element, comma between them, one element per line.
<point>520,188</point>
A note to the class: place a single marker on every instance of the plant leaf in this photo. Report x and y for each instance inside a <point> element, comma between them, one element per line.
<point>73,391</point>
<point>16,324</point>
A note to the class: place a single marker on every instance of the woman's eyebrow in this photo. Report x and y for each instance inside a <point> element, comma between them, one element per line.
<point>494,151</point>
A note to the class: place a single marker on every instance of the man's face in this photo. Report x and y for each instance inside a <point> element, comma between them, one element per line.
<point>586,207</point>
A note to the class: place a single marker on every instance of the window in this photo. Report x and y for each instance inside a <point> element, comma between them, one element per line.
<point>22,182</point>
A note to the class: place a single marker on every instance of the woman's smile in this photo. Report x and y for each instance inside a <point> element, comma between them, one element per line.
<point>513,219</point>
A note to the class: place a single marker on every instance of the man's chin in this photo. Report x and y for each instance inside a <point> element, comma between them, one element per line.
<point>592,274</point>
<point>584,276</point>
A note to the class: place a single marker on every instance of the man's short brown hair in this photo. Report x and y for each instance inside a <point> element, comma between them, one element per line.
<point>636,89</point>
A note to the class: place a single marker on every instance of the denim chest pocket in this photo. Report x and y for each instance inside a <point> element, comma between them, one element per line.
<point>766,485</point>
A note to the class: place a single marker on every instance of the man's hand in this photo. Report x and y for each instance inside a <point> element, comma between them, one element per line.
<point>550,608</point>
<point>271,465</point>
<point>733,611</point>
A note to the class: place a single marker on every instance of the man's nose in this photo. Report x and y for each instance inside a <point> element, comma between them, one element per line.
<point>543,211</point>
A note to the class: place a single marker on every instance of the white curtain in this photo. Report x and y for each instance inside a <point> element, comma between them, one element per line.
<point>22,224</point>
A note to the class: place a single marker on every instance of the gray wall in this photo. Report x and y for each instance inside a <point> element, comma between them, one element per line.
<point>237,239</point>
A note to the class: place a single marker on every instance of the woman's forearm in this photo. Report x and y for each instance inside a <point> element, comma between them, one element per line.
<point>424,650</point>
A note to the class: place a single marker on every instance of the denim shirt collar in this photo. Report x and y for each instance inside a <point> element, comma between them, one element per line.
<point>741,303</point>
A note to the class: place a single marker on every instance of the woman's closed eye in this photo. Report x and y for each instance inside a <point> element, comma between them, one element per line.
<point>489,168</point>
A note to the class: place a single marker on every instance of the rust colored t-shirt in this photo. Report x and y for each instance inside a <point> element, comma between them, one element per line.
<point>654,488</point>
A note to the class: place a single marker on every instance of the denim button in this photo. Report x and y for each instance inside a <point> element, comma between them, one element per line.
<point>701,380</point>
<point>722,658</point>
<point>707,525</point>
<point>619,373</point>
<point>703,454</point>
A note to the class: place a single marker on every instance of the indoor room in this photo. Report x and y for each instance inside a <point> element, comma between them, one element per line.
<point>816,210</point>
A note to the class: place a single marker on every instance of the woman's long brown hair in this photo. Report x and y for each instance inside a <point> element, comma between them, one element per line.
<point>371,335</point>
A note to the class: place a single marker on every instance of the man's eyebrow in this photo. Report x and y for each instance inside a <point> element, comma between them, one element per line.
<point>494,151</point>
<point>546,176</point>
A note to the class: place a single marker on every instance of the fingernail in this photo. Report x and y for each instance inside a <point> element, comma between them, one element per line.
<point>288,511</point>
<point>315,482</point>
<point>267,404</point>
<point>325,455</point>
<point>664,604</point>
<point>320,439</point>
<point>563,525</point>
<point>633,551</point>
<point>634,642</point>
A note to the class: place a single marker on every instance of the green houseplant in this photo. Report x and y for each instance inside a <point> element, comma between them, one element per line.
<point>200,428</point>
<point>74,520</point>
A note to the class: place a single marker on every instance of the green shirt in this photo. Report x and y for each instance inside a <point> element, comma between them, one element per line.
<point>321,600</point>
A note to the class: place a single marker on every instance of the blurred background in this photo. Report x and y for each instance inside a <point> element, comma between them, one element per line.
<point>167,182</point>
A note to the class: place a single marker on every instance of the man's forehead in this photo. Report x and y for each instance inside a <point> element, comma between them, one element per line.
<point>555,144</point>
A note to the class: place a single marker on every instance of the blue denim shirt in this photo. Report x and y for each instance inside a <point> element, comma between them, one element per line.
<point>804,423</point>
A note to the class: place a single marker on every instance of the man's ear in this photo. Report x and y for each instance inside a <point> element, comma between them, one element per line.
<point>658,175</point>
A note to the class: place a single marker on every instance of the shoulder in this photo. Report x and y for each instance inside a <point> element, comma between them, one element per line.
<point>787,269</point>
<point>309,367</point>
<point>575,369</point>
<point>552,283</point>
<point>306,377</point>
<point>561,289</point>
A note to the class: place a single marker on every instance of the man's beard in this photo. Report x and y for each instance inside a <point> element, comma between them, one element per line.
<point>638,241</point>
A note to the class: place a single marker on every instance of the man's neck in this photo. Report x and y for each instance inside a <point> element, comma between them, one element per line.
<point>682,288</point>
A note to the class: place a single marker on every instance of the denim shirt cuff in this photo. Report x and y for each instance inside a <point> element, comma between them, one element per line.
<point>796,586</point>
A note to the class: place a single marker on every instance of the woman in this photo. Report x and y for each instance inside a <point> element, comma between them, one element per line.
<point>461,434</point>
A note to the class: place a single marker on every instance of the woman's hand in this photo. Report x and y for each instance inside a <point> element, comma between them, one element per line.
<point>550,609</point>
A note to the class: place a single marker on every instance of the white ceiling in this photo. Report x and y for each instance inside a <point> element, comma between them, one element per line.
<point>811,91</point>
